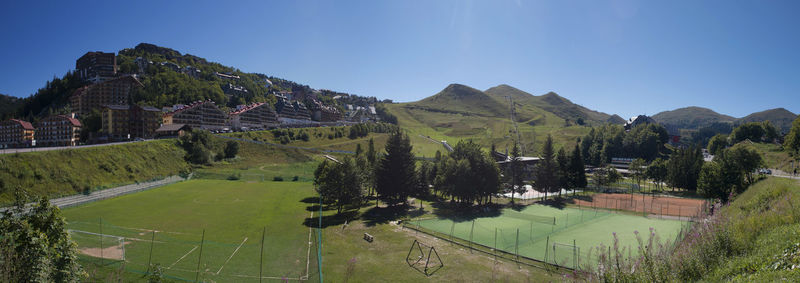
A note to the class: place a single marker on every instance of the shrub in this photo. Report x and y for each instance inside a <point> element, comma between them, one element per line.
<point>295,178</point>
<point>277,179</point>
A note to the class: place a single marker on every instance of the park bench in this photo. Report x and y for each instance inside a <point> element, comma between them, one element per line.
<point>368,237</point>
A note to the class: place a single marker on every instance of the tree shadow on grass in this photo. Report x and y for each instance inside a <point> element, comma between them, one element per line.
<point>460,213</point>
<point>382,215</point>
<point>553,202</point>
<point>331,220</point>
<point>310,200</point>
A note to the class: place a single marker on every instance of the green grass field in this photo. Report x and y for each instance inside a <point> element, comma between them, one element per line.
<point>233,215</point>
<point>531,232</point>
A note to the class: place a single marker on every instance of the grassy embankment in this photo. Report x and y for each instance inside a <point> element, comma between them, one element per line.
<point>60,173</point>
<point>756,238</point>
<point>64,172</point>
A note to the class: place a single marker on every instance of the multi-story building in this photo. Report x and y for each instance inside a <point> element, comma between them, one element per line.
<point>16,133</point>
<point>234,90</point>
<point>324,113</point>
<point>122,122</point>
<point>256,115</point>
<point>198,115</point>
<point>292,109</point>
<point>96,66</point>
<point>58,130</point>
<point>112,92</point>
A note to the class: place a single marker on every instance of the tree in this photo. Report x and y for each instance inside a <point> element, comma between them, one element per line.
<point>638,169</point>
<point>338,183</point>
<point>468,174</point>
<point>546,171</point>
<point>514,172</point>
<point>657,171</point>
<point>753,131</point>
<point>792,140</point>
<point>197,144</point>
<point>563,170</point>
<point>396,174</point>
<point>605,176</point>
<point>231,149</point>
<point>730,172</point>
<point>576,169</point>
<point>683,168</point>
<point>717,143</point>
<point>35,246</point>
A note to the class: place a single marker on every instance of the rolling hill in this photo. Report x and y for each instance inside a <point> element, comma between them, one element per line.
<point>553,103</point>
<point>691,117</point>
<point>460,112</point>
<point>780,117</point>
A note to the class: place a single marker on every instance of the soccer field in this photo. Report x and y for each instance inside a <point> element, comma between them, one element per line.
<point>233,214</point>
<point>567,237</point>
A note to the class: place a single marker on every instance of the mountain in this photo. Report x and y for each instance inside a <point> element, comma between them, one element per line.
<point>616,119</point>
<point>780,117</point>
<point>691,117</point>
<point>461,99</point>
<point>553,103</point>
<point>8,106</point>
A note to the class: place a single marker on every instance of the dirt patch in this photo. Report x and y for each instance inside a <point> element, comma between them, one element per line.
<point>654,205</point>
<point>112,252</point>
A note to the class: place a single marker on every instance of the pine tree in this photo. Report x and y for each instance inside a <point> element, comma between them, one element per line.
<point>576,169</point>
<point>546,171</point>
<point>563,170</point>
<point>396,173</point>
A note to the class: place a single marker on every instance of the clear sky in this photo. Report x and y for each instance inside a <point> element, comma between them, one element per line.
<point>623,57</point>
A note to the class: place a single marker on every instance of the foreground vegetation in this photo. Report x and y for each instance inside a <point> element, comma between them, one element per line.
<point>752,239</point>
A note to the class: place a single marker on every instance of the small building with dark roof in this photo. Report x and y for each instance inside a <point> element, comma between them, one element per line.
<point>172,131</point>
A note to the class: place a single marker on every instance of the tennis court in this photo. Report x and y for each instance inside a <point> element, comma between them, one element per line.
<point>565,237</point>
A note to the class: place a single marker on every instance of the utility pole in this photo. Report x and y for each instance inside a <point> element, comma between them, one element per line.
<point>512,113</point>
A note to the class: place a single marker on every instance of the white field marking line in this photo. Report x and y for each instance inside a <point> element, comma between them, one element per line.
<point>308,256</point>
<point>229,258</point>
<point>176,262</point>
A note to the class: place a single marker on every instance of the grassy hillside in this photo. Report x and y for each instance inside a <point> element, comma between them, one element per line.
<point>691,117</point>
<point>780,118</point>
<point>460,113</point>
<point>774,156</point>
<point>551,102</point>
<point>65,172</point>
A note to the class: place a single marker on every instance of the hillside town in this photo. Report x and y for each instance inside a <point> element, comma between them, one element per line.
<point>109,91</point>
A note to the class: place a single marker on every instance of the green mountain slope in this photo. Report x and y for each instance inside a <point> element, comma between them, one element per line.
<point>460,112</point>
<point>780,117</point>
<point>461,99</point>
<point>8,106</point>
<point>691,117</point>
<point>553,103</point>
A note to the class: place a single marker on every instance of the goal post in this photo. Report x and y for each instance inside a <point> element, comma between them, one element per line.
<point>99,245</point>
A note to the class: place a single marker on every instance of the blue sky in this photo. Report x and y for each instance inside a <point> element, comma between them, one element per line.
<point>623,57</point>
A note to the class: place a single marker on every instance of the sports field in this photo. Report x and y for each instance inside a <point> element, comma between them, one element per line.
<point>233,214</point>
<point>547,234</point>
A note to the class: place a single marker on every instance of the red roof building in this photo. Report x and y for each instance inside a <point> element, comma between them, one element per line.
<point>16,133</point>
<point>58,130</point>
<point>256,115</point>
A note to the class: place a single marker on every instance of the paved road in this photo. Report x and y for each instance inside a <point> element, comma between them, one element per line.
<point>78,199</point>
<point>37,149</point>
<point>779,173</point>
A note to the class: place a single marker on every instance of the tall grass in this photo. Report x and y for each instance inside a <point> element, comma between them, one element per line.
<point>754,238</point>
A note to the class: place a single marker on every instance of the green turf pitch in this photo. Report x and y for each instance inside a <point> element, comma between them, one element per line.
<point>529,234</point>
<point>233,214</point>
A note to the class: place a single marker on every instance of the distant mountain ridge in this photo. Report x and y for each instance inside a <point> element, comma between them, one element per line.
<point>554,103</point>
<point>698,117</point>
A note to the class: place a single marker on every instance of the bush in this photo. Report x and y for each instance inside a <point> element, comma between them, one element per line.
<point>235,176</point>
<point>277,179</point>
<point>295,178</point>
<point>231,149</point>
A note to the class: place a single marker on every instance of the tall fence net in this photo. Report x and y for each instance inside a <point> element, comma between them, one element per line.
<point>208,255</point>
